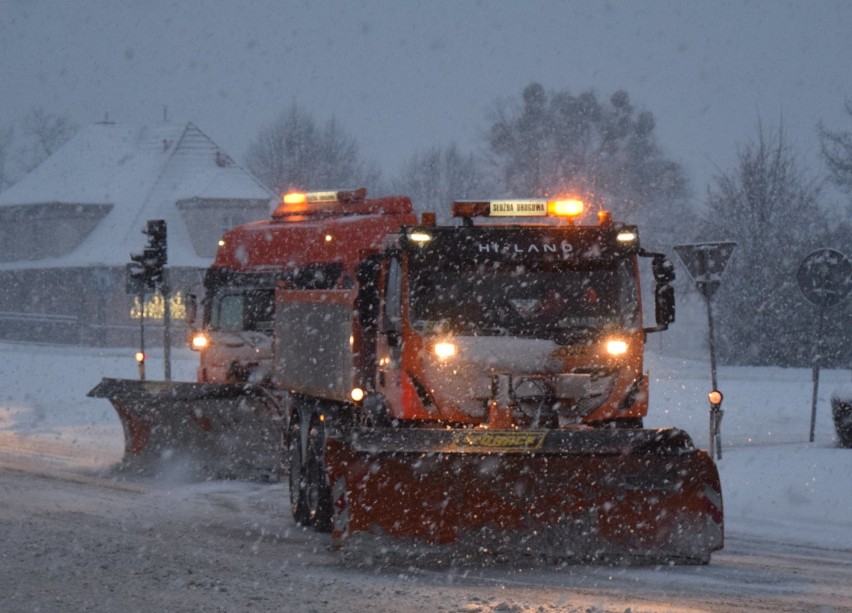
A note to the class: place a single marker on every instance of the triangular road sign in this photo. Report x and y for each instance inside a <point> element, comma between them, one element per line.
<point>705,263</point>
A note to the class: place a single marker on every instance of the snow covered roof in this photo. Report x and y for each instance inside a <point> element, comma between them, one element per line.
<point>141,172</point>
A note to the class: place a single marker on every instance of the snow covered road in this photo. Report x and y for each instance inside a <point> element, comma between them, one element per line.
<point>77,541</point>
<point>79,536</point>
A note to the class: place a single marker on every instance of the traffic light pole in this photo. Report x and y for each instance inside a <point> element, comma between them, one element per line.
<point>141,362</point>
<point>147,270</point>
<point>715,408</point>
<point>167,329</point>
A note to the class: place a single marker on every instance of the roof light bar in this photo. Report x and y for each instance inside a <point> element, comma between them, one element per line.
<point>525,207</point>
<point>326,197</point>
<point>307,203</point>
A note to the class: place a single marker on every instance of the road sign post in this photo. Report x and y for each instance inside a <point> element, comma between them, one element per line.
<point>825,279</point>
<point>705,263</point>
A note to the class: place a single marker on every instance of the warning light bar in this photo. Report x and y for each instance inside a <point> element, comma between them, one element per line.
<point>296,203</point>
<point>347,195</point>
<point>530,207</point>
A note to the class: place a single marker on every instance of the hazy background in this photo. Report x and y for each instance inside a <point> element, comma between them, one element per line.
<point>401,77</point>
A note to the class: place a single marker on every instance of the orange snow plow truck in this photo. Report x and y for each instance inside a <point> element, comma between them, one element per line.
<point>479,383</point>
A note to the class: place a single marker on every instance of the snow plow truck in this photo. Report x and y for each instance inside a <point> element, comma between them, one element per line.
<point>478,383</point>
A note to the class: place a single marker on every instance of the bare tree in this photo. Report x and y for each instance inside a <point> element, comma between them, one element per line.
<point>771,208</point>
<point>43,134</point>
<point>294,153</point>
<point>436,177</point>
<point>6,139</point>
<point>551,143</point>
<point>837,153</point>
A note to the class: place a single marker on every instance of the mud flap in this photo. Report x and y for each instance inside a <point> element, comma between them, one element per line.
<point>203,430</point>
<point>624,496</point>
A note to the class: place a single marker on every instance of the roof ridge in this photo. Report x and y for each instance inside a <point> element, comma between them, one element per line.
<point>152,188</point>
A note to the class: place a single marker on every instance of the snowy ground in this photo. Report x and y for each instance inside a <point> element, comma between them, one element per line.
<point>777,486</point>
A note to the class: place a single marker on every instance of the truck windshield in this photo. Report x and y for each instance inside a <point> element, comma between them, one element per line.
<point>238,311</point>
<point>512,299</point>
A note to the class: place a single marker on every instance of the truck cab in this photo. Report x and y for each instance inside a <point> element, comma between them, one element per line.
<point>235,339</point>
<point>311,241</point>
<point>530,325</point>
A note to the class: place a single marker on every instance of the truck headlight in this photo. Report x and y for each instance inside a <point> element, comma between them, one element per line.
<point>616,346</point>
<point>444,350</point>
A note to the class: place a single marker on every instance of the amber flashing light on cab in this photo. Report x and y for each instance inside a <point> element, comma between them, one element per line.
<point>309,197</point>
<point>569,207</point>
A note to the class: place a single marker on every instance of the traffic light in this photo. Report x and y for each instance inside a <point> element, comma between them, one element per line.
<point>137,275</point>
<point>155,252</point>
<point>146,268</point>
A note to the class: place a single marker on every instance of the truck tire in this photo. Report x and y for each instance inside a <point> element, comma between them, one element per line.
<point>297,484</point>
<point>317,488</point>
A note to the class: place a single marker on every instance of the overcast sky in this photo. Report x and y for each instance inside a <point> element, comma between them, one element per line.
<point>403,76</point>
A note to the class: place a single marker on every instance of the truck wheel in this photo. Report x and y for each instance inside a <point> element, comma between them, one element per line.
<point>298,506</point>
<point>317,489</point>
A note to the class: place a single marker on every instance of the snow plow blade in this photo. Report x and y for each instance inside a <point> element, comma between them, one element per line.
<point>620,496</point>
<point>202,429</point>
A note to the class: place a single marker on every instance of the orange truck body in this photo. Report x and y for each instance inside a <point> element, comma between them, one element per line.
<point>480,385</point>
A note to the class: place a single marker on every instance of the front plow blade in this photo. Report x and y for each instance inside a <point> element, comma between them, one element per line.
<point>205,429</point>
<point>601,495</point>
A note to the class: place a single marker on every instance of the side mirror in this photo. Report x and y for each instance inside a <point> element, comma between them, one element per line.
<point>664,296</point>
<point>664,305</point>
<point>662,268</point>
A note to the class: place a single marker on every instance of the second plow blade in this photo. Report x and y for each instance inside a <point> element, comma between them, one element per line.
<point>203,430</point>
<point>615,496</point>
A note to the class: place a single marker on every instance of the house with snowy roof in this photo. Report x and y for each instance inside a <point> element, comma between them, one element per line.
<point>67,229</point>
